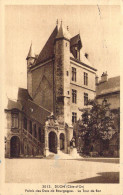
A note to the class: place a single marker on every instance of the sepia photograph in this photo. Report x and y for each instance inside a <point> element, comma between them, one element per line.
<point>62,94</point>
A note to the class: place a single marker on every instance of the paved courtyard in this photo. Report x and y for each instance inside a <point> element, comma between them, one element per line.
<point>62,171</point>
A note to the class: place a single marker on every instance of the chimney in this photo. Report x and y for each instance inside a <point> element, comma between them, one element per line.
<point>104,77</point>
<point>96,80</point>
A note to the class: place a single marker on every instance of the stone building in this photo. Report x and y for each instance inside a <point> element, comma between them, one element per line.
<point>108,91</point>
<point>60,80</point>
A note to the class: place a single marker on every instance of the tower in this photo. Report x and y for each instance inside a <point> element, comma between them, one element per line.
<point>30,61</point>
<point>62,76</point>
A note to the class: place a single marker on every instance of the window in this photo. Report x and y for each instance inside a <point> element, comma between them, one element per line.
<point>74,117</point>
<point>35,133</point>
<point>77,53</point>
<point>85,98</point>
<point>73,74</point>
<point>30,127</point>
<point>67,73</point>
<point>14,120</point>
<point>74,96</point>
<point>85,78</point>
<point>25,123</point>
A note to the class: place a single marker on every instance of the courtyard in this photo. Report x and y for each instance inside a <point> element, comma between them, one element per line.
<point>84,170</point>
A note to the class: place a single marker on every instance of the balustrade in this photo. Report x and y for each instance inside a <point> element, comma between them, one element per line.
<point>32,138</point>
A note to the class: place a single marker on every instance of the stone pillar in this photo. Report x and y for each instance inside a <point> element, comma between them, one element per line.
<point>21,149</point>
<point>65,143</point>
<point>58,142</point>
<point>7,154</point>
<point>69,134</point>
<point>46,143</point>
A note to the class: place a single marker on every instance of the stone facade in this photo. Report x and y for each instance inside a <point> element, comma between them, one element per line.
<point>20,142</point>
<point>60,80</point>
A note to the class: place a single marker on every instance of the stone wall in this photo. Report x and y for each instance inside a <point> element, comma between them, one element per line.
<point>42,86</point>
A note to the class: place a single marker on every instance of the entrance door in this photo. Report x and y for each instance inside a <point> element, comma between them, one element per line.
<point>52,142</point>
<point>61,141</point>
<point>15,146</point>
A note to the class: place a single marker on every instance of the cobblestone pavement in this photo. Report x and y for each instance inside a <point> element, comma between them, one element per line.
<point>61,171</point>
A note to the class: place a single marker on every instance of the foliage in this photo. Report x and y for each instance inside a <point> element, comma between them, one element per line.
<point>96,125</point>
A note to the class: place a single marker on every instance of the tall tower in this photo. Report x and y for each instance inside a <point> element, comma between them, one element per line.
<point>62,76</point>
<point>30,61</point>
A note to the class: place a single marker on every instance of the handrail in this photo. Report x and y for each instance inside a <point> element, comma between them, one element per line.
<point>28,134</point>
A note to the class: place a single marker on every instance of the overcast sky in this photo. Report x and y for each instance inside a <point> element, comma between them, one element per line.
<point>99,27</point>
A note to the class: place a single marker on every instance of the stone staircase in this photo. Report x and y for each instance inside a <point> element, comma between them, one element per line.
<point>35,142</point>
<point>62,155</point>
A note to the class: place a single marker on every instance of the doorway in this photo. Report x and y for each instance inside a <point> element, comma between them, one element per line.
<point>15,147</point>
<point>52,142</point>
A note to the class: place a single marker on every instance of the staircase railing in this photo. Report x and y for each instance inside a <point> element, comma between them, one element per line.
<point>31,137</point>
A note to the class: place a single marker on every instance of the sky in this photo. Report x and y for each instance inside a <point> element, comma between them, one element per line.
<point>99,28</point>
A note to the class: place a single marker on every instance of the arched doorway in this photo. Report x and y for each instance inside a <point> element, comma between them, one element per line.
<point>52,142</point>
<point>62,141</point>
<point>15,146</point>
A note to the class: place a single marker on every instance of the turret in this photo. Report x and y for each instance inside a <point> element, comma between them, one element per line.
<point>30,61</point>
<point>30,57</point>
<point>62,75</point>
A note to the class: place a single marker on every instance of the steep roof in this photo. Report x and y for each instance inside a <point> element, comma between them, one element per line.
<point>110,86</point>
<point>14,105</point>
<point>23,94</point>
<point>26,105</point>
<point>35,111</point>
<point>63,33</point>
<point>84,59</point>
<point>30,108</point>
<point>76,40</point>
<point>48,50</point>
<point>31,53</point>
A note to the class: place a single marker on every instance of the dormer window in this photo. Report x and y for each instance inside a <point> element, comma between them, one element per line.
<point>75,46</point>
<point>77,53</point>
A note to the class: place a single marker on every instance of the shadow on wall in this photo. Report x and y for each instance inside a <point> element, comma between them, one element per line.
<point>105,177</point>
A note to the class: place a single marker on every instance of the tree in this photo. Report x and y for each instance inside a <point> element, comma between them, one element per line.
<point>96,126</point>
